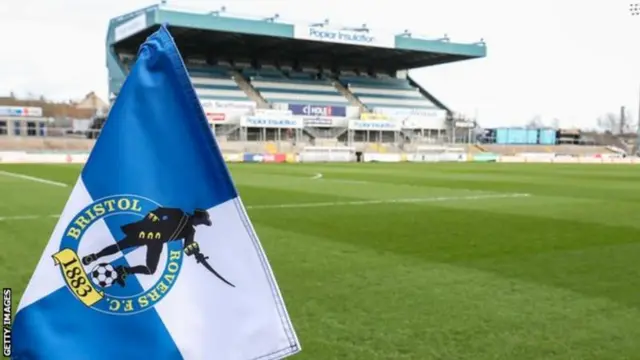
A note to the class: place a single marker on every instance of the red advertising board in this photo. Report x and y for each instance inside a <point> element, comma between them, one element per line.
<point>278,158</point>
<point>215,116</point>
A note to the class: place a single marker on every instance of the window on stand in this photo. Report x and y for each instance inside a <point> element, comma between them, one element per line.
<point>17,128</point>
<point>31,128</point>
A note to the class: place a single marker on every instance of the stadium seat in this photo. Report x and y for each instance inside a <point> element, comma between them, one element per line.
<point>384,91</point>
<point>216,83</point>
<point>299,87</point>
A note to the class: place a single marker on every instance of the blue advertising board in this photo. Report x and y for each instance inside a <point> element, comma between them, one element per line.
<point>318,110</point>
<point>532,136</point>
<point>20,111</point>
<point>548,136</point>
<point>501,136</point>
<point>249,157</point>
<point>516,136</point>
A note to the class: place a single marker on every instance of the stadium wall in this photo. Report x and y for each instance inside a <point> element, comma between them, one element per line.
<point>21,157</point>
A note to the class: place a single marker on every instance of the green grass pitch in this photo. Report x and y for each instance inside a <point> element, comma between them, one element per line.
<point>419,261</point>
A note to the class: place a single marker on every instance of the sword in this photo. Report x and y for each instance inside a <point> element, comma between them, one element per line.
<point>201,259</point>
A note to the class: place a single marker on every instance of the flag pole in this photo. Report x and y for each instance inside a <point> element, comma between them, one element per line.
<point>634,9</point>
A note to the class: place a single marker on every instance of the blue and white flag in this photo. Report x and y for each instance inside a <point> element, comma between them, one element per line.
<point>154,256</point>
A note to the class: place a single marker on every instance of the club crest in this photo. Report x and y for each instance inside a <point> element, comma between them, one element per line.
<point>135,271</point>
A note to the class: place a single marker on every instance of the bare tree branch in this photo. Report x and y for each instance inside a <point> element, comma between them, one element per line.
<point>622,123</point>
<point>534,123</point>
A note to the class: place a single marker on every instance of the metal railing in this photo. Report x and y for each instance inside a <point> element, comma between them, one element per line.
<point>68,140</point>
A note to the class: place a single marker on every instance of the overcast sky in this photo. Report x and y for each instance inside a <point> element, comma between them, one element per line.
<point>555,59</point>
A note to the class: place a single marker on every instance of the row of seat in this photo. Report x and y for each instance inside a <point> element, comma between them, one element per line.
<point>309,86</point>
<point>216,83</point>
<point>384,91</point>
<point>306,86</point>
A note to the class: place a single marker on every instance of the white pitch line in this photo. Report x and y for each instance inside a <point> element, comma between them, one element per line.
<point>26,217</point>
<point>319,176</point>
<point>387,201</point>
<point>337,203</point>
<point>33,178</point>
<point>346,181</point>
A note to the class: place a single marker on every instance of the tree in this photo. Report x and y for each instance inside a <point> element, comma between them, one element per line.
<point>609,123</point>
<point>535,123</point>
<point>621,123</point>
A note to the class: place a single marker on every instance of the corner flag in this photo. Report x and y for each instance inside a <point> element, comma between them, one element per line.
<point>153,256</point>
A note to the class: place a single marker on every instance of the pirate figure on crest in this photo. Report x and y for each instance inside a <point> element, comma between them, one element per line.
<point>158,228</point>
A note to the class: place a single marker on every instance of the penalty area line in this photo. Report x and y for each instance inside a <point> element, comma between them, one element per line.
<point>33,178</point>
<point>338,203</point>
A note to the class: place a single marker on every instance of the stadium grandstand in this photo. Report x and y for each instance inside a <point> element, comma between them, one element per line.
<point>274,91</point>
